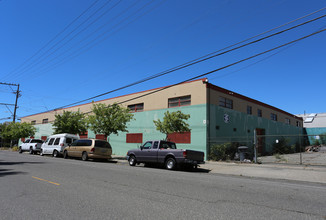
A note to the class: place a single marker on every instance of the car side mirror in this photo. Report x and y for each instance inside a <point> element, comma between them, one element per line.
<point>141,147</point>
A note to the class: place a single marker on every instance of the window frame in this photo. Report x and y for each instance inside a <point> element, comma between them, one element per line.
<point>225,102</point>
<point>133,107</point>
<point>179,101</point>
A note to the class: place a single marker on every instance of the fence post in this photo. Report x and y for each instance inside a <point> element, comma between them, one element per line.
<point>255,146</point>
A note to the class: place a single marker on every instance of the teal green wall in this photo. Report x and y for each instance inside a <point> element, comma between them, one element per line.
<point>143,123</point>
<point>245,125</point>
<point>313,132</point>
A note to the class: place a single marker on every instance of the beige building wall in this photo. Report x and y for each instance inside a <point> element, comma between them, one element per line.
<point>153,99</point>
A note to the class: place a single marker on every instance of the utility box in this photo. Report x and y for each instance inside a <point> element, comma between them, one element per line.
<point>243,151</point>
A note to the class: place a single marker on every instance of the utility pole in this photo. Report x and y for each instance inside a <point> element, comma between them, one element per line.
<point>17,96</point>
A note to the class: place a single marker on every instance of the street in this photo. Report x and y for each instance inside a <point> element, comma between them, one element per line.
<point>35,187</point>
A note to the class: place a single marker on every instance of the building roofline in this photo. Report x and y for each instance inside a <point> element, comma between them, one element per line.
<point>237,95</point>
<point>54,110</point>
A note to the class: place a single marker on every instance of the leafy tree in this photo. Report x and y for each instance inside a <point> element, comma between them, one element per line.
<point>172,122</point>
<point>70,122</point>
<point>14,131</point>
<point>109,119</point>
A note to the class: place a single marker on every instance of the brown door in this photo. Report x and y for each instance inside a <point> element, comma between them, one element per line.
<point>260,139</point>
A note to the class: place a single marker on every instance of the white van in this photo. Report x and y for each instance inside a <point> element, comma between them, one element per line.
<point>56,143</point>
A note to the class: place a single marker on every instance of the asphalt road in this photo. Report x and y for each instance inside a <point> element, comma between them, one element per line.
<point>35,187</point>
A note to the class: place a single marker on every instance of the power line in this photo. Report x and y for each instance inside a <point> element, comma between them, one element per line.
<point>53,39</point>
<point>93,42</point>
<point>218,69</point>
<point>192,63</point>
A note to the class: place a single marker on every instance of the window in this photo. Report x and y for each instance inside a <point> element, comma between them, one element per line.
<point>167,145</point>
<point>102,144</point>
<point>137,107</point>
<point>147,145</point>
<point>84,135</point>
<point>184,137</point>
<point>134,138</point>
<point>33,122</point>
<point>36,141</point>
<point>45,121</point>
<point>69,140</point>
<point>226,103</point>
<point>155,145</point>
<point>57,141</point>
<point>298,124</point>
<point>259,113</point>
<point>287,121</point>
<point>101,137</point>
<point>179,101</point>
<point>27,141</point>
<point>249,110</point>
<point>51,141</point>
<point>82,142</point>
<point>273,117</point>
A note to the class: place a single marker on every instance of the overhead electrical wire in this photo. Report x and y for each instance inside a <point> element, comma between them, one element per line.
<point>54,47</point>
<point>54,38</point>
<point>218,69</point>
<point>96,41</point>
<point>192,63</point>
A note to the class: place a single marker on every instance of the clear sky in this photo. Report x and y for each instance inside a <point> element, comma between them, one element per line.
<point>60,53</point>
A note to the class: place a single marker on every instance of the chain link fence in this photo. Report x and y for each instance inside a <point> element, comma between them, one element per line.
<point>287,149</point>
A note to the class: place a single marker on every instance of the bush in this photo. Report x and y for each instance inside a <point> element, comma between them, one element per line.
<point>224,151</point>
<point>282,147</point>
<point>14,148</point>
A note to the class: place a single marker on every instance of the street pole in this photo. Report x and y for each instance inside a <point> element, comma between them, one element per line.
<point>255,145</point>
<point>17,96</point>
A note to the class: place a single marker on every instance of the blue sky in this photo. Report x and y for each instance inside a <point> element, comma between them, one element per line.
<point>136,39</point>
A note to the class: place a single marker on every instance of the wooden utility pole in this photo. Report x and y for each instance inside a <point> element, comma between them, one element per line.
<point>17,96</point>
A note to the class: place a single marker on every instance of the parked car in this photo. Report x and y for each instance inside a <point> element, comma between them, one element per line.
<point>31,145</point>
<point>55,144</point>
<point>88,148</point>
<point>164,152</point>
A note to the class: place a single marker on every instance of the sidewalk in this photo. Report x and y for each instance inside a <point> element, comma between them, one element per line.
<point>306,173</point>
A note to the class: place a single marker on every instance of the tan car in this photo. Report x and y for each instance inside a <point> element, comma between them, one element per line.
<point>88,148</point>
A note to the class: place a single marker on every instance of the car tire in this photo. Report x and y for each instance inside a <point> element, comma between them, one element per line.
<point>20,150</point>
<point>55,153</point>
<point>84,156</point>
<point>41,152</point>
<point>170,163</point>
<point>132,161</point>
<point>31,150</point>
<point>65,154</point>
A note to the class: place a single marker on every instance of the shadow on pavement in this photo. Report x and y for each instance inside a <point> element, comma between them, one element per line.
<point>15,163</point>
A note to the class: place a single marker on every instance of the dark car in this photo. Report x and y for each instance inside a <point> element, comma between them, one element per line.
<point>166,153</point>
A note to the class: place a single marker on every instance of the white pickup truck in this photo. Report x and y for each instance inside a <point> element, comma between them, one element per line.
<point>31,145</point>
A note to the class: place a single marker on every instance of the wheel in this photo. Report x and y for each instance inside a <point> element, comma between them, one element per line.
<point>84,156</point>
<point>31,150</point>
<point>55,153</point>
<point>170,163</point>
<point>20,150</point>
<point>65,154</point>
<point>41,152</point>
<point>132,161</point>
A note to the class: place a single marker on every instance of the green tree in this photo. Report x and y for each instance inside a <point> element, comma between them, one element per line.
<point>15,130</point>
<point>70,122</point>
<point>109,119</point>
<point>172,122</point>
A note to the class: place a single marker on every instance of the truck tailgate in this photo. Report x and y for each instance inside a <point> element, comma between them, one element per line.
<point>195,155</point>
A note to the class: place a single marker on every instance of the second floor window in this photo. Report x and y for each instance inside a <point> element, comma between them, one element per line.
<point>287,121</point>
<point>137,107</point>
<point>249,110</point>
<point>260,113</point>
<point>45,121</point>
<point>180,101</point>
<point>273,117</point>
<point>226,103</point>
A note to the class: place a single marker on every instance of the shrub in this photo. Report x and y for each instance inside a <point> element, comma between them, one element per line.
<point>14,148</point>
<point>282,147</point>
<point>224,151</point>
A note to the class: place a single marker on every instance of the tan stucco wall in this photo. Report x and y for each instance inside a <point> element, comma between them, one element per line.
<point>159,100</point>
